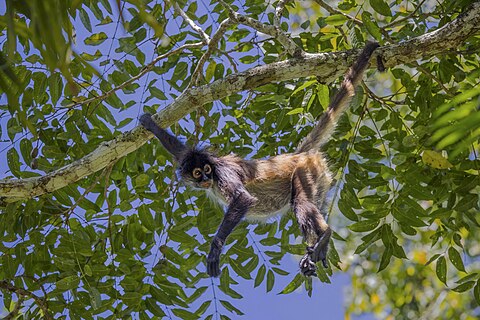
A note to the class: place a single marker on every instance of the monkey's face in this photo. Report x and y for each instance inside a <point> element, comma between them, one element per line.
<point>198,170</point>
<point>203,176</point>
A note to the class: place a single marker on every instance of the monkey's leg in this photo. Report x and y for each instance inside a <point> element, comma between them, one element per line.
<point>315,230</point>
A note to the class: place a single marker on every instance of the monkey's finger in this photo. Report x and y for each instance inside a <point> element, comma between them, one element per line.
<point>324,262</point>
<point>213,268</point>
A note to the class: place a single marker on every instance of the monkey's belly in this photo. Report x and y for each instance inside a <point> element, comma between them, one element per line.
<point>273,198</point>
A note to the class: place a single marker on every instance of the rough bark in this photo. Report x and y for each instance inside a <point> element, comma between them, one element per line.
<point>326,66</point>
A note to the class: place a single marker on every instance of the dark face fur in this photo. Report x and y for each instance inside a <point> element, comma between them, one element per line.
<point>197,169</point>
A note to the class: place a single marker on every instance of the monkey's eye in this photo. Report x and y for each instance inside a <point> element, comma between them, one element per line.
<point>197,173</point>
<point>207,169</point>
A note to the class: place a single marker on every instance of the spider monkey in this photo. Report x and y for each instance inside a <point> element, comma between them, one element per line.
<point>260,188</point>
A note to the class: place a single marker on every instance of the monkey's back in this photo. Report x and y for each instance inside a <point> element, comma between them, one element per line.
<point>270,181</point>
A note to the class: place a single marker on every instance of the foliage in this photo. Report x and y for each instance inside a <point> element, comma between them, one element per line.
<point>130,239</point>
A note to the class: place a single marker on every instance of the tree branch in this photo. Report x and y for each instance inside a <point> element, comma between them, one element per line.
<point>326,66</point>
<point>192,24</point>
<point>279,11</point>
<point>4,284</point>
<point>274,31</point>
<point>332,10</point>
<point>14,313</point>
<point>212,46</point>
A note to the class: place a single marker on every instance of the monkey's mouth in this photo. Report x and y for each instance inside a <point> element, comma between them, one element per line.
<point>206,184</point>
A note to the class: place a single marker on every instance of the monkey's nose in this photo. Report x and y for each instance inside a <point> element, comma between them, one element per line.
<point>206,184</point>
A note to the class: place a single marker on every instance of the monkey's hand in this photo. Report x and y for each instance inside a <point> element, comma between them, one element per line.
<point>319,251</point>
<point>307,266</point>
<point>213,258</point>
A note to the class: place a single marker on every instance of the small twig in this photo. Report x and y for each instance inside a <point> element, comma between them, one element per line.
<point>431,76</point>
<point>68,212</point>
<point>332,10</point>
<point>14,313</point>
<point>41,302</point>
<point>212,46</point>
<point>178,10</point>
<point>108,171</point>
<point>231,60</point>
<point>279,11</point>
<point>289,45</point>
<point>400,21</point>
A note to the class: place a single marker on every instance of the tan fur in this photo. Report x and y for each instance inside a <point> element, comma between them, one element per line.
<point>271,181</point>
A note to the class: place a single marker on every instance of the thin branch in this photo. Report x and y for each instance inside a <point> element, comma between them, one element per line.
<point>14,313</point>
<point>332,10</point>
<point>402,20</point>
<point>279,11</point>
<point>212,46</point>
<point>178,10</point>
<point>431,76</point>
<point>289,45</point>
<point>41,302</point>
<point>326,66</point>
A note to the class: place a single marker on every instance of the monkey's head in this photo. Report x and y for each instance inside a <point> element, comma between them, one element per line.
<point>197,168</point>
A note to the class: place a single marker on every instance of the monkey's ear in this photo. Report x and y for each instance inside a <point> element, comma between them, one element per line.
<point>174,146</point>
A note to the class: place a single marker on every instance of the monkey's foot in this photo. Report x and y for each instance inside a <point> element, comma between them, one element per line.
<point>320,249</point>
<point>307,266</point>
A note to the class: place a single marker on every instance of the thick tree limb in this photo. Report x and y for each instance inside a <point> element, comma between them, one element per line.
<point>326,66</point>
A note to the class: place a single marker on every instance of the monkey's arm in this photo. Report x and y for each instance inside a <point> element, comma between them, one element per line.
<point>239,205</point>
<point>174,146</point>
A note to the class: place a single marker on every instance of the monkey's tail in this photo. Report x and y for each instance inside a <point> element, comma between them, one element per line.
<point>328,120</point>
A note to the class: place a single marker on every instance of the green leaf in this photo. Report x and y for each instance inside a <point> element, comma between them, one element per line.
<point>154,308</point>
<point>13,161</point>
<point>210,72</point>
<point>381,7</point>
<point>142,180</point>
<point>95,297</point>
<point>464,286</point>
<point>39,87</point>
<point>386,256</point>
<point>323,95</point>
<point>456,259</point>
<point>85,19</point>
<point>184,314</point>
<point>294,284</point>
<point>407,217</point>
<point>96,39</point>
<point>260,275</point>
<point>441,269</point>
<point>280,271</point>
<point>157,93</point>
<point>231,308</point>
<point>346,210</point>
<point>146,218</point>
<point>270,280</point>
<point>433,258</point>
<point>468,277</point>
<point>55,85</point>
<point>239,269</point>
<point>476,292</point>
<point>371,25</point>
<point>365,225</point>
<point>67,283</point>
<point>336,20</point>
<point>295,111</point>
